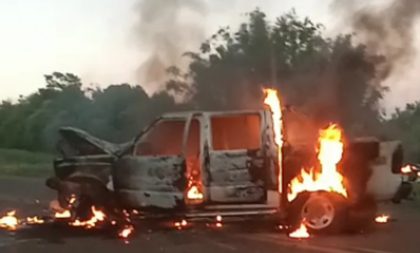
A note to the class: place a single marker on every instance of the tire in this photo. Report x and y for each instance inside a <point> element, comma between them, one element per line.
<point>321,212</point>
<point>83,208</point>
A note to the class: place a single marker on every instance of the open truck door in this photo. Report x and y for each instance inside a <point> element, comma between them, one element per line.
<point>240,170</point>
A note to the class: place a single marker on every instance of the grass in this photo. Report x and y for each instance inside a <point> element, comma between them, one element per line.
<point>15,162</point>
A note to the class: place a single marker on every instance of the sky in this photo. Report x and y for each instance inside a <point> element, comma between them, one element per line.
<point>94,39</point>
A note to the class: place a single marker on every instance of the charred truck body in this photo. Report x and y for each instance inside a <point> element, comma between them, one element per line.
<point>203,164</point>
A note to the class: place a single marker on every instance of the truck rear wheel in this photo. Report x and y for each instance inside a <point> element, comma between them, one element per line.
<point>321,212</point>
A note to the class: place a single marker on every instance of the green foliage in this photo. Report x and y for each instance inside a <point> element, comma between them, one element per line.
<point>116,113</point>
<point>329,79</point>
<point>405,125</point>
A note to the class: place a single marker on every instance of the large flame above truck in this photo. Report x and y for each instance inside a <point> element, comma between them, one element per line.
<point>330,151</point>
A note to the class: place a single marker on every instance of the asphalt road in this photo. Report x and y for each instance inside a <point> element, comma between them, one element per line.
<point>30,197</point>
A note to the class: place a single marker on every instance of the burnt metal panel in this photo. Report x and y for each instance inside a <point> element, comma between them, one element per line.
<point>150,198</point>
<point>232,178</point>
<point>96,167</point>
<point>237,193</point>
<point>150,181</point>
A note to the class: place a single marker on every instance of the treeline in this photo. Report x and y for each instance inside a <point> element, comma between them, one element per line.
<point>329,79</point>
<point>404,125</point>
<point>115,113</point>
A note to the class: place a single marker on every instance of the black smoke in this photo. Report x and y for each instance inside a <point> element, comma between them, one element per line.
<point>165,30</point>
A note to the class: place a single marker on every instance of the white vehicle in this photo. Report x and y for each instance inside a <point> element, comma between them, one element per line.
<point>231,159</point>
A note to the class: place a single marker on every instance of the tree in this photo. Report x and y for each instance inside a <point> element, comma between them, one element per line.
<point>405,126</point>
<point>328,79</point>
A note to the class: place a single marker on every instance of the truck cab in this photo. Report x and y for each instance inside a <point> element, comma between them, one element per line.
<point>228,159</point>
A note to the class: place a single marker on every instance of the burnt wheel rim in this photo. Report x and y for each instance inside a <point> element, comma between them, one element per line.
<point>318,212</point>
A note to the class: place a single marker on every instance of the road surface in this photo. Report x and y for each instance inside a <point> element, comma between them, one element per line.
<point>30,197</point>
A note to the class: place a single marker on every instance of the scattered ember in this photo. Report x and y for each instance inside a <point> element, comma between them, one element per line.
<point>300,233</point>
<point>180,224</point>
<point>126,232</point>
<point>9,222</point>
<point>62,215</point>
<point>126,214</point>
<point>382,218</point>
<point>34,220</point>
<point>72,200</point>
<point>330,151</point>
<point>219,220</point>
<point>272,100</point>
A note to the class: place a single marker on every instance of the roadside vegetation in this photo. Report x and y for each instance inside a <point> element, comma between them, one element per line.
<point>15,162</point>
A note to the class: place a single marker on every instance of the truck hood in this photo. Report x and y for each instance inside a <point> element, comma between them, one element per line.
<point>76,142</point>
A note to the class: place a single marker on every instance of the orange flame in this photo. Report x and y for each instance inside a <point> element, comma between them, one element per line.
<point>9,222</point>
<point>330,152</point>
<point>62,215</point>
<point>194,190</point>
<point>300,233</point>
<point>194,193</point>
<point>34,220</point>
<point>272,100</point>
<point>97,216</point>
<point>406,169</point>
<point>382,218</point>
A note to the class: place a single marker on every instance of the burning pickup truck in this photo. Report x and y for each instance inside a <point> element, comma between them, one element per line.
<point>230,164</point>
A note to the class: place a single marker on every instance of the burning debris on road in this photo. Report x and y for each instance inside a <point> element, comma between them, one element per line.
<point>300,233</point>
<point>180,224</point>
<point>9,222</point>
<point>62,215</point>
<point>126,232</point>
<point>97,217</point>
<point>34,220</point>
<point>382,218</point>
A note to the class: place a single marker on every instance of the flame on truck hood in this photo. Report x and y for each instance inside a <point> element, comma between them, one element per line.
<point>330,151</point>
